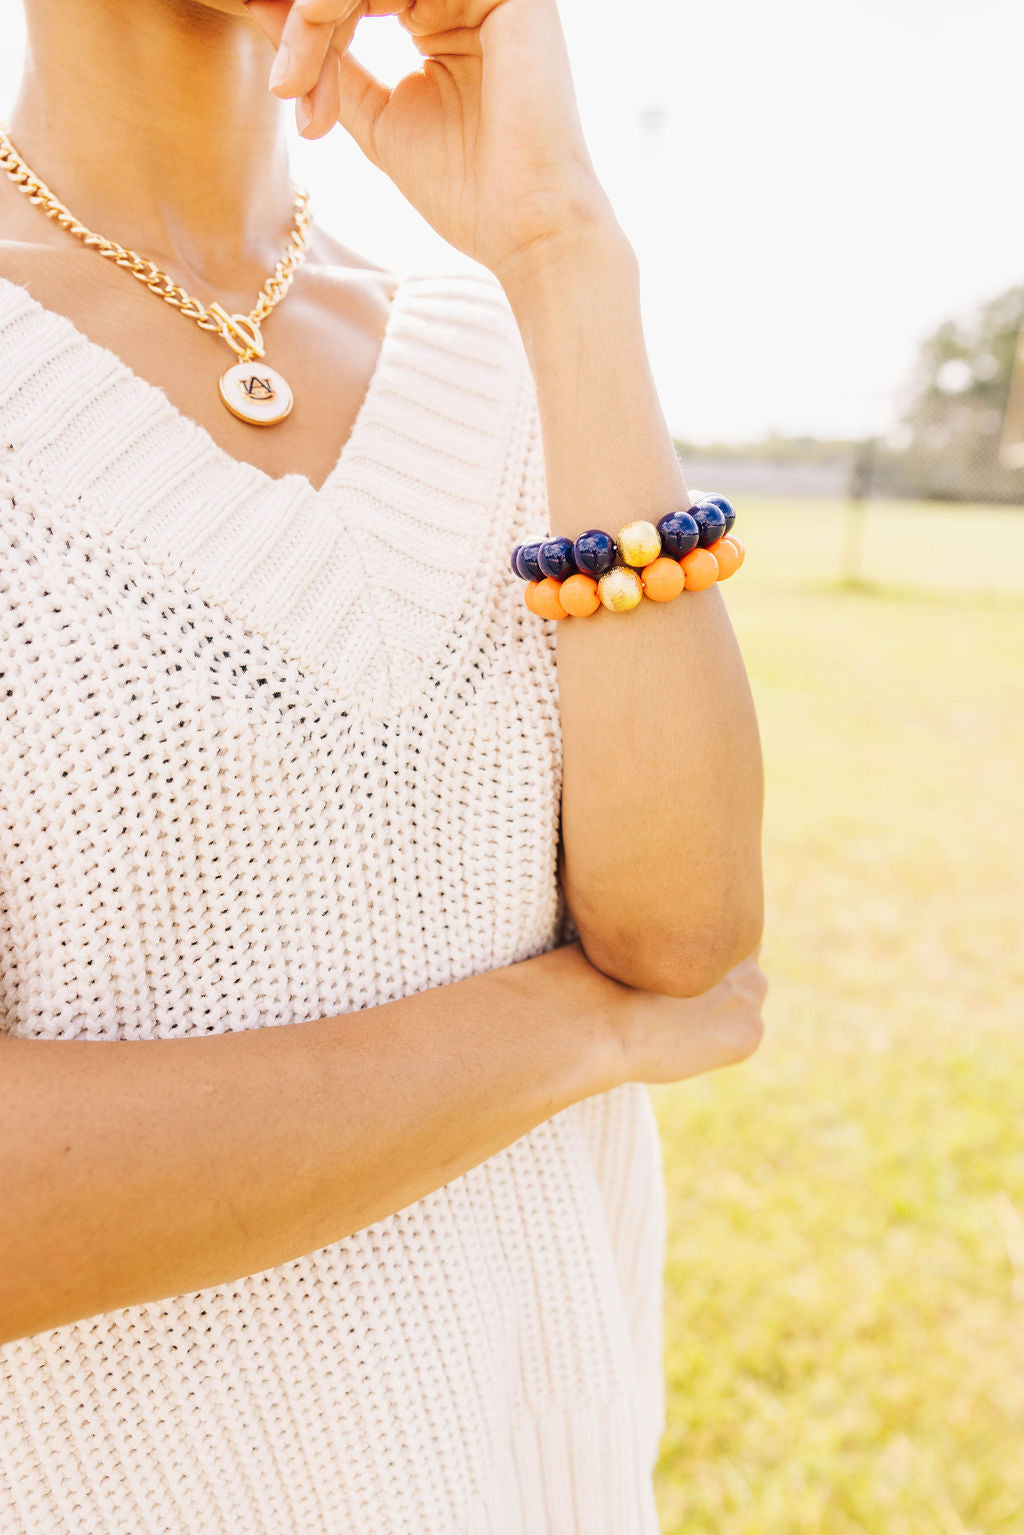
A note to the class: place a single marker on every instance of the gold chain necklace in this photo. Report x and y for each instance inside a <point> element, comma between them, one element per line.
<point>260,395</point>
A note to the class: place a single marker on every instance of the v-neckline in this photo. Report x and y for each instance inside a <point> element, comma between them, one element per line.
<point>367,581</point>
<point>202,440</point>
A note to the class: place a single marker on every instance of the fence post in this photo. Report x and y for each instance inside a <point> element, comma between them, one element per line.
<point>862,469</point>
<point>1011,447</point>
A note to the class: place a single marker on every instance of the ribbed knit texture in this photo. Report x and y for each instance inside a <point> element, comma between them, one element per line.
<point>270,754</point>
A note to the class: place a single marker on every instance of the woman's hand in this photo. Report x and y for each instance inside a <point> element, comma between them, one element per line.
<point>668,1039</point>
<point>485,141</point>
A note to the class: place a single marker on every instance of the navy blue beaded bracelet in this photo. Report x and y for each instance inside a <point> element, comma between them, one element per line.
<point>689,549</point>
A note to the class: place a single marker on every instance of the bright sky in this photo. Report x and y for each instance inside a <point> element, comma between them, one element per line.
<point>811,187</point>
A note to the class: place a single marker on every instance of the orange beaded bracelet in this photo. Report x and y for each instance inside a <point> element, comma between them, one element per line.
<point>687,551</point>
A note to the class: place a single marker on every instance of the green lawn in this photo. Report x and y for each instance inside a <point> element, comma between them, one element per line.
<point>845,1312</point>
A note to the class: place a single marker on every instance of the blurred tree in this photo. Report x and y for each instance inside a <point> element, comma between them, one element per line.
<point>948,443</point>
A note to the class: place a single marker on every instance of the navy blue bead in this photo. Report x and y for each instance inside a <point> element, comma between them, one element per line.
<point>595,552</point>
<point>556,558</point>
<point>514,562</point>
<point>725,507</point>
<point>529,569</point>
<point>679,534</point>
<point>711,521</point>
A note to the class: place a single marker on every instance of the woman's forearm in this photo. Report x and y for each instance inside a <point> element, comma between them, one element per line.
<point>136,1170</point>
<point>662,789</point>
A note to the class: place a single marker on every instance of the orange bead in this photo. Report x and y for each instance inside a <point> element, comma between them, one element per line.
<point>578,596</point>
<point>663,579</point>
<point>728,557</point>
<point>545,599</point>
<point>732,539</point>
<point>700,568</point>
<point>531,587</point>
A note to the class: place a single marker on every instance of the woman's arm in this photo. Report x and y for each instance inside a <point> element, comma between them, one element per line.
<point>662,789</point>
<point>137,1170</point>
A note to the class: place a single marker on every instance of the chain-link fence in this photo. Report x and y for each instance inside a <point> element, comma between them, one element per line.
<point>873,469</point>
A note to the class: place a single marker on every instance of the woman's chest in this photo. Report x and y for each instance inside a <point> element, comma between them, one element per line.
<point>198,835</point>
<point>265,753</point>
<point>324,338</point>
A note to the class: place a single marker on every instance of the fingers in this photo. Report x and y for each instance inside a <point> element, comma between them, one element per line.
<point>306,32</point>
<point>301,53</point>
<point>337,10</point>
<point>311,28</point>
<point>317,112</point>
<point>318,107</point>
<point>363,98</point>
<point>459,40</point>
<point>344,32</point>
<point>434,17</point>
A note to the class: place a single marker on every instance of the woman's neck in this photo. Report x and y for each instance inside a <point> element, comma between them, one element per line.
<point>151,120</point>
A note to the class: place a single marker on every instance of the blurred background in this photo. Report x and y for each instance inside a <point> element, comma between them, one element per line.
<point>826,204</point>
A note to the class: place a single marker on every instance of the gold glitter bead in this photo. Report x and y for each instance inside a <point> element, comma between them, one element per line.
<point>620,589</point>
<point>639,543</point>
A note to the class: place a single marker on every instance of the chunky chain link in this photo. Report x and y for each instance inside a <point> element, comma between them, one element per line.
<point>241,332</point>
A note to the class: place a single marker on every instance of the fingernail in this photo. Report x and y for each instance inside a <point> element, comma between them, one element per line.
<point>282,64</point>
<point>303,114</point>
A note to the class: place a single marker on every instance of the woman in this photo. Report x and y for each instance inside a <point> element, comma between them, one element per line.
<point>332,1193</point>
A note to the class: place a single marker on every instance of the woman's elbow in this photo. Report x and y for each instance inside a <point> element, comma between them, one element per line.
<point>684,960</point>
<point>695,963</point>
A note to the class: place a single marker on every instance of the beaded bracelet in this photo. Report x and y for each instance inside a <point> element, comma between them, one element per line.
<point>688,551</point>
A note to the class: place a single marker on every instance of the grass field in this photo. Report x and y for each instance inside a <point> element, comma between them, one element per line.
<point>845,1312</point>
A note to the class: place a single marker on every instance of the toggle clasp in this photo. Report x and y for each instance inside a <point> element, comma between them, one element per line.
<point>241,334</point>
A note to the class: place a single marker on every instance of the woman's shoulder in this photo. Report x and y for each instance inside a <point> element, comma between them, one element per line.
<point>456,297</point>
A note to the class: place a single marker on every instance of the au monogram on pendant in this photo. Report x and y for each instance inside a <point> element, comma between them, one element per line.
<point>257,394</point>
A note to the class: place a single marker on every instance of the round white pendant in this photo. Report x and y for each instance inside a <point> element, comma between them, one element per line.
<point>256,393</point>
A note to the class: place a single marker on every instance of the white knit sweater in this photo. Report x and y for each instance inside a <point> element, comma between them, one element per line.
<point>269,754</point>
